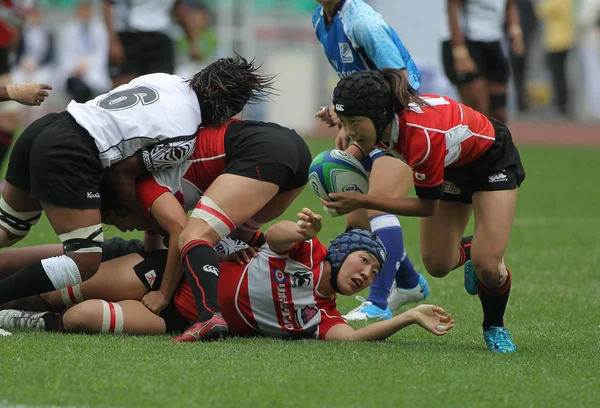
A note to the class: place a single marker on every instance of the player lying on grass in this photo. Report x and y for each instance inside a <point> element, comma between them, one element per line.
<point>463,163</point>
<point>356,38</point>
<point>287,290</point>
<point>144,127</point>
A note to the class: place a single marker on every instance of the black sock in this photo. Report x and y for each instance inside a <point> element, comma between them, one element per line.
<point>29,281</point>
<point>493,302</point>
<point>52,321</point>
<point>201,267</point>
<point>6,138</point>
<point>464,251</point>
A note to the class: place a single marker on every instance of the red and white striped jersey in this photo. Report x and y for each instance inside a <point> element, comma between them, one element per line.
<point>444,134</point>
<point>275,294</point>
<point>201,169</point>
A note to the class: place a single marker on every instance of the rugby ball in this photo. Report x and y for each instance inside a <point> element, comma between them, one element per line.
<point>335,171</point>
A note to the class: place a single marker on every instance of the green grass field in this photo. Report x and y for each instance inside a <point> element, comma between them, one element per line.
<point>552,315</point>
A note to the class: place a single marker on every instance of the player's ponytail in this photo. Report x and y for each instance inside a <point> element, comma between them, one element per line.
<point>227,85</point>
<point>402,93</point>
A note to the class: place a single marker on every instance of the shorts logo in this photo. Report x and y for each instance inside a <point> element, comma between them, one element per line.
<point>451,188</point>
<point>211,269</point>
<point>93,195</point>
<point>279,275</point>
<point>346,53</point>
<point>498,177</point>
<point>419,176</point>
<point>150,278</point>
<point>308,313</point>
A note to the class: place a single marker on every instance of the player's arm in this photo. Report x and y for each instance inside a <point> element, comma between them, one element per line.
<point>182,16</point>
<point>283,235</point>
<point>432,318</point>
<point>457,38</point>
<point>26,94</point>
<point>116,52</point>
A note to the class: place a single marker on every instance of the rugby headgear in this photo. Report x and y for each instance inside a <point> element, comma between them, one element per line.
<point>352,241</point>
<point>365,94</point>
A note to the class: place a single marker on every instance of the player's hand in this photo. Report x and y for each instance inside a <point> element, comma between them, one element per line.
<point>309,223</point>
<point>195,54</point>
<point>116,52</point>
<point>28,94</point>
<point>342,142</point>
<point>517,46</point>
<point>432,318</point>
<point>327,114</point>
<point>344,203</point>
<point>155,301</point>
<point>463,63</point>
<point>242,256</point>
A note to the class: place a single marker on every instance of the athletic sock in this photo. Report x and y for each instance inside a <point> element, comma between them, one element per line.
<point>464,251</point>
<point>493,302</point>
<point>29,281</point>
<point>388,229</point>
<point>201,267</point>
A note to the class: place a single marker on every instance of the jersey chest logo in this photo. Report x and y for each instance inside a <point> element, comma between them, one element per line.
<point>346,53</point>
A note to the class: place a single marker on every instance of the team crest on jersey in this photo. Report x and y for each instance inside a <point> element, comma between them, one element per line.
<point>279,275</point>
<point>308,313</point>
<point>300,279</point>
<point>150,278</point>
<point>346,53</point>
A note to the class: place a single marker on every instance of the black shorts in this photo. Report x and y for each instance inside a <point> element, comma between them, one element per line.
<point>57,161</point>
<point>145,53</point>
<point>4,61</point>
<point>267,152</point>
<point>150,272</point>
<point>499,168</point>
<point>492,64</point>
<point>117,247</point>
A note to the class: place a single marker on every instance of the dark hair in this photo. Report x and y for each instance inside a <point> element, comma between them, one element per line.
<point>402,93</point>
<point>227,85</point>
<point>110,203</point>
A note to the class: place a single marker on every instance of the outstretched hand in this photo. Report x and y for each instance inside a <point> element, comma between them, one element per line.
<point>434,319</point>
<point>309,223</point>
<point>344,203</point>
<point>28,94</point>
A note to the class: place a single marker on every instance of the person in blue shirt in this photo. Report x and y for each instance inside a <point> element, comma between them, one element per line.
<point>356,38</point>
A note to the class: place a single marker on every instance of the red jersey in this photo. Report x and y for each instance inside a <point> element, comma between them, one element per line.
<point>444,134</point>
<point>274,295</point>
<point>202,168</point>
<point>12,16</point>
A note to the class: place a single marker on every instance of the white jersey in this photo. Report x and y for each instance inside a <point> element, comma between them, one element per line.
<point>480,20</point>
<point>150,110</point>
<point>142,15</point>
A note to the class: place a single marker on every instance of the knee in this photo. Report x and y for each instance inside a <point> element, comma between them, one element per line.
<point>437,266</point>
<point>490,271</point>
<point>85,317</point>
<point>198,229</point>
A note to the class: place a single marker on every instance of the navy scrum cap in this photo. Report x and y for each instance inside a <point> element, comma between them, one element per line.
<point>352,241</point>
<point>365,94</point>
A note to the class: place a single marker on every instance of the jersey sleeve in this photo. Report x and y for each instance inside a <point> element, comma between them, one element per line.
<point>375,36</point>
<point>168,153</point>
<point>151,187</point>
<point>308,253</point>
<point>330,317</point>
<point>427,162</point>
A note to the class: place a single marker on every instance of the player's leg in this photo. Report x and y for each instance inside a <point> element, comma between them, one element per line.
<point>496,70</point>
<point>230,200</point>
<point>442,244</point>
<point>494,213</point>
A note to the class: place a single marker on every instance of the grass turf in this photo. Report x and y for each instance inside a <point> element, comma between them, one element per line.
<point>551,314</point>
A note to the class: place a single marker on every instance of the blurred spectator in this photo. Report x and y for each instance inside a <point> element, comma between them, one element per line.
<point>206,39</point>
<point>589,54</point>
<point>139,43</point>
<point>12,16</point>
<point>35,51</point>
<point>83,55</point>
<point>473,56</point>
<point>529,25</point>
<point>558,20</point>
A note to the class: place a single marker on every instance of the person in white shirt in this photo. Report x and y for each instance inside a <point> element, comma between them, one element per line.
<point>139,43</point>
